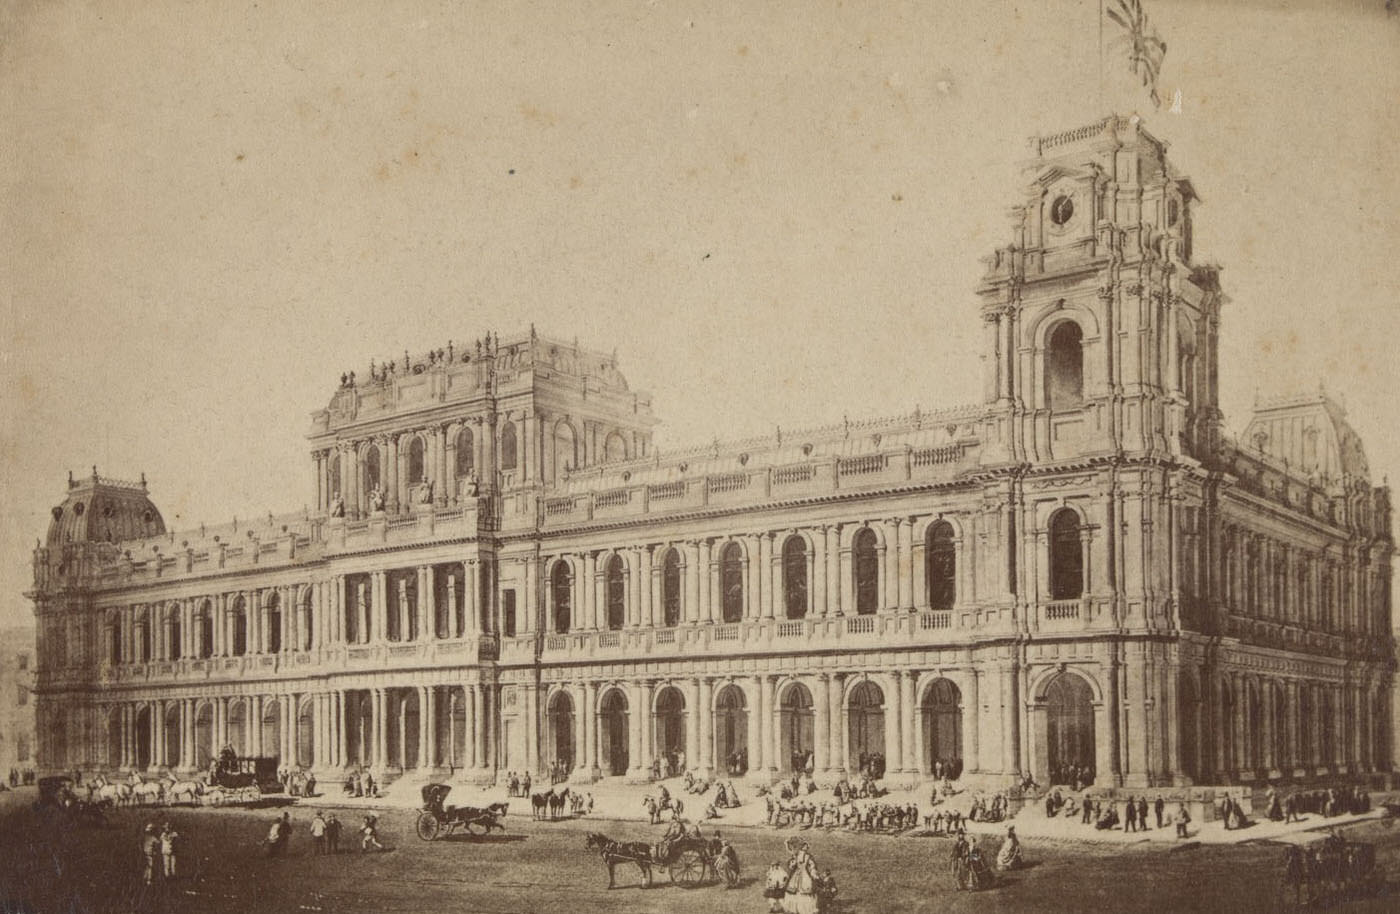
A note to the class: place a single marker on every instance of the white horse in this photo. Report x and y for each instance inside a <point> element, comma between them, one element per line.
<point>214,795</point>
<point>190,789</point>
<point>116,794</point>
<point>146,792</point>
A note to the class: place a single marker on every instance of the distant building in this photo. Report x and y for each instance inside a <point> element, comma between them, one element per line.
<point>1078,576</point>
<point>17,665</point>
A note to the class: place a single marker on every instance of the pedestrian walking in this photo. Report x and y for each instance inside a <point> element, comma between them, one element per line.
<point>150,853</point>
<point>333,833</point>
<point>1183,818</point>
<point>1142,814</point>
<point>1158,806</point>
<point>369,835</point>
<point>169,847</point>
<point>318,835</point>
<point>1130,816</point>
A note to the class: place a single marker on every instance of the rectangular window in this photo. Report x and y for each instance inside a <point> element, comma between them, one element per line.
<point>508,612</point>
<point>22,698</point>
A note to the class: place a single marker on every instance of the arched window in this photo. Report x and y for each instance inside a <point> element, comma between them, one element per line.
<point>204,629</point>
<point>173,633</point>
<point>307,616</point>
<point>731,576</point>
<point>1064,366</point>
<point>941,566</point>
<point>565,451</point>
<point>795,577</point>
<point>143,638</point>
<point>1066,557</point>
<point>615,448</point>
<point>274,624</point>
<point>616,577</point>
<point>508,445</point>
<point>561,587</point>
<point>867,571</point>
<point>671,589</point>
<point>240,627</point>
<point>465,457</point>
<point>114,644</point>
<point>372,476</point>
<point>415,460</point>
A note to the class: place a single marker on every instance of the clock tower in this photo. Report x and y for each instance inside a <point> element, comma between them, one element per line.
<point>1100,330</point>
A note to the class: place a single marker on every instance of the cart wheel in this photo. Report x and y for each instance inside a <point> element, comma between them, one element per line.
<point>688,870</point>
<point>427,826</point>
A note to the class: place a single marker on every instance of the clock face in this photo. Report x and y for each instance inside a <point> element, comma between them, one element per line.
<point>1062,210</point>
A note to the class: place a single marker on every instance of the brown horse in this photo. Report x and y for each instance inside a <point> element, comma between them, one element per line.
<point>615,852</point>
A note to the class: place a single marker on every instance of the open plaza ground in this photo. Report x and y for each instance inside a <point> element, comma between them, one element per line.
<point>543,866</point>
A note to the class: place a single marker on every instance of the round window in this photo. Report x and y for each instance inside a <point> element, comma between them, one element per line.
<point>1062,210</point>
<point>78,509</point>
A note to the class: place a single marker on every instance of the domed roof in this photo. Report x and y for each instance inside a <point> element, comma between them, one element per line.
<point>101,510</point>
<point>1311,433</point>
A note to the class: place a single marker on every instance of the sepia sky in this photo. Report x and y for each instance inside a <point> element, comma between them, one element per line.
<point>774,212</point>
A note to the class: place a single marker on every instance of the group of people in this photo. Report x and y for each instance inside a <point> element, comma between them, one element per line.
<point>517,785</point>
<point>160,849</point>
<point>950,768</point>
<point>360,783</point>
<point>989,809</point>
<point>798,886</point>
<point>737,763</point>
<point>297,782</point>
<point>21,778</point>
<point>865,789</point>
<point>325,833</point>
<point>1335,801</point>
<point>1076,776</point>
<point>667,765</point>
<point>559,770</point>
<point>1103,812</point>
<point>872,765</point>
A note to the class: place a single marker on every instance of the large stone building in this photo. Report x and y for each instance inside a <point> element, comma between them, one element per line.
<point>17,667</point>
<point>1081,571</point>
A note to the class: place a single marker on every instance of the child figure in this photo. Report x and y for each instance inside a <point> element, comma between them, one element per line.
<point>370,835</point>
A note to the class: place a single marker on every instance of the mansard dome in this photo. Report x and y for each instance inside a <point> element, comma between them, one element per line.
<point>1311,433</point>
<point>99,510</point>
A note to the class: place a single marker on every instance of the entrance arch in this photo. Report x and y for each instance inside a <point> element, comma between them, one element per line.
<point>1069,729</point>
<point>670,729</point>
<point>731,731</point>
<point>612,727</point>
<point>866,712</point>
<point>306,728</point>
<point>114,738</point>
<point>796,726</point>
<point>238,726</point>
<point>359,737</point>
<point>941,711</point>
<point>171,740</point>
<point>271,742</point>
<point>143,738</point>
<point>561,730</point>
<point>203,736</point>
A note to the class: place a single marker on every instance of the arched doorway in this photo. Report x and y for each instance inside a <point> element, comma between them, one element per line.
<point>114,738</point>
<point>670,730</point>
<point>1069,727</point>
<point>731,731</point>
<point>172,737</point>
<point>143,738</point>
<point>796,727</point>
<point>359,736</point>
<point>561,731</point>
<point>1189,705</point>
<point>612,727</point>
<point>306,728</point>
<point>271,742</point>
<point>203,736</point>
<point>403,737</point>
<point>942,719</point>
<point>866,711</point>
<point>238,726</point>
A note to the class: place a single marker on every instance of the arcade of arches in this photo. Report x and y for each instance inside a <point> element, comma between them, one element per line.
<point>903,724</point>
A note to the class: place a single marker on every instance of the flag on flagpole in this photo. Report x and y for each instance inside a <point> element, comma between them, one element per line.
<point>1145,47</point>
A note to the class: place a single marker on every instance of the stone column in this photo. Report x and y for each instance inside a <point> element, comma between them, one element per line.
<point>590,729</point>
<point>479,723</point>
<point>909,723</point>
<point>764,603</point>
<point>648,723</point>
<point>1010,726</point>
<point>694,571</point>
<point>706,727</point>
<point>848,598</point>
<point>585,588</point>
<point>767,763</point>
<point>821,724</point>
<point>532,727</point>
<point>706,573</point>
<point>644,614</point>
<point>894,722</point>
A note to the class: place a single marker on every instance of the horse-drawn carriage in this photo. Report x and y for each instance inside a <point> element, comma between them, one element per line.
<point>471,819</point>
<point>686,860</point>
<point>233,773</point>
<point>1330,870</point>
<point>56,793</point>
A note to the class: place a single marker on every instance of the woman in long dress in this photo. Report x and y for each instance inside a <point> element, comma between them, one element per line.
<point>1009,857</point>
<point>801,888</point>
